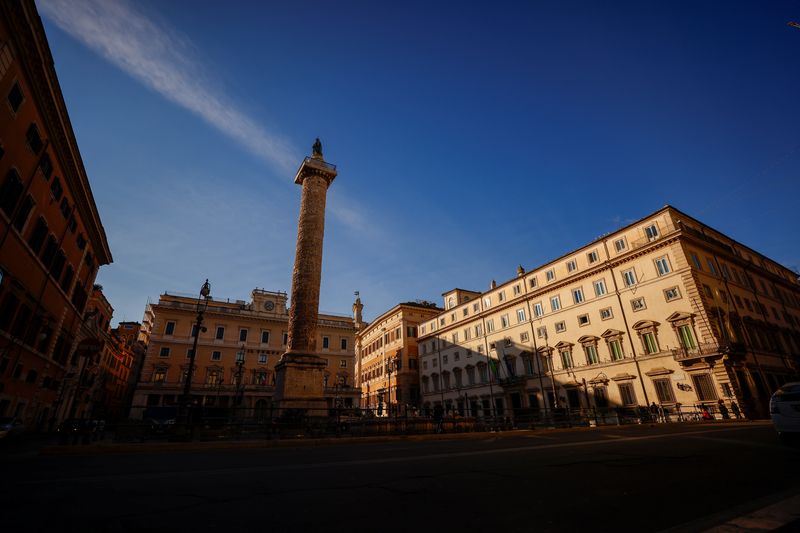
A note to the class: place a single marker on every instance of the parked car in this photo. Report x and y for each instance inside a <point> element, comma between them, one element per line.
<point>10,427</point>
<point>784,409</point>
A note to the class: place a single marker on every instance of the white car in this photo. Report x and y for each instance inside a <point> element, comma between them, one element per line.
<point>784,408</point>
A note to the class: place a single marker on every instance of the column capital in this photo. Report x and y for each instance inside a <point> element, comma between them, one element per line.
<point>315,166</point>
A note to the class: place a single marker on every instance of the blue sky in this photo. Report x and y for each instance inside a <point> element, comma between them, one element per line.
<point>469,138</point>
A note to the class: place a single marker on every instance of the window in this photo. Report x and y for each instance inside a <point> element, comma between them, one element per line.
<point>467,334</point>
<point>695,260</point>
<point>487,302</point>
<point>15,97</point>
<point>523,337</point>
<point>189,353</point>
<point>686,337</point>
<point>672,294</point>
<point>46,166</point>
<point>325,343</point>
<point>541,332</point>
<point>711,268</point>
<point>10,192</point>
<point>708,291</point>
<point>455,337</point>
<point>638,304</point>
<point>550,275</point>
<point>504,321</point>
<point>23,211</point>
<point>65,207</point>
<point>343,363</point>
<point>532,283</point>
<point>38,235</point>
<point>264,337</point>
<point>555,303</point>
<point>464,312</point>
<point>583,320</point>
<point>704,387</point>
<point>629,278</point>
<point>561,327</point>
<point>490,325</point>
<point>34,139</point>
<point>592,256</point>
<point>615,349</point>
<point>216,356</point>
<point>343,342</point>
<point>478,330</point>
<point>476,307</point>
<point>591,354</point>
<point>169,329</point>
<point>725,272</point>
<point>662,265</point>
<point>571,265</point>
<point>577,295</point>
<point>619,245</point>
<point>242,335</point>
<point>664,390</point>
<point>160,375</point>
<point>649,343</point>
<point>537,309</point>
<point>606,313</point>
<point>627,394</point>
<point>516,289</point>
<point>651,232</point>
<point>566,358</point>
<point>220,333</point>
<point>164,352</point>
<point>501,296</point>
<point>520,315</point>
<point>599,287</point>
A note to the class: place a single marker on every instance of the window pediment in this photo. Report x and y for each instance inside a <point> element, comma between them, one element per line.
<point>562,345</point>
<point>678,315</point>
<point>588,339</point>
<point>644,324</point>
<point>611,333</point>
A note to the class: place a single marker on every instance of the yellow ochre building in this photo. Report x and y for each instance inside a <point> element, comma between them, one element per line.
<point>665,310</point>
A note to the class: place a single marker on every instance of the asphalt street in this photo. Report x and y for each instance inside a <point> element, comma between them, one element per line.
<point>633,478</point>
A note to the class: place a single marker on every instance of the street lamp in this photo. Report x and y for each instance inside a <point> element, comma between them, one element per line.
<point>239,384</point>
<point>202,305</point>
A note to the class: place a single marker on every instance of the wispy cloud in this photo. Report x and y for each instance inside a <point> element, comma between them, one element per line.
<point>162,60</point>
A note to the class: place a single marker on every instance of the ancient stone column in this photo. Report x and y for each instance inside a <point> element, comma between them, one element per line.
<point>299,382</point>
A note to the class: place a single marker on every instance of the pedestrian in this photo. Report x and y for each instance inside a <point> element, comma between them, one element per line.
<point>654,411</point>
<point>735,408</point>
<point>723,410</point>
<point>706,414</point>
<point>438,417</point>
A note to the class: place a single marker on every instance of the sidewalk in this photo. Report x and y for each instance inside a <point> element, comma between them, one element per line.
<point>107,446</point>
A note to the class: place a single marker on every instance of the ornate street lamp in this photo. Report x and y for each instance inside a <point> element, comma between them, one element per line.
<point>239,381</point>
<point>202,305</point>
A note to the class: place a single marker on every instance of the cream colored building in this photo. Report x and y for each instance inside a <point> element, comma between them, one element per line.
<point>665,310</point>
<point>387,357</point>
<point>258,329</point>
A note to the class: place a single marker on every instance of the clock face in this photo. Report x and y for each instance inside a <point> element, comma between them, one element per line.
<point>269,306</point>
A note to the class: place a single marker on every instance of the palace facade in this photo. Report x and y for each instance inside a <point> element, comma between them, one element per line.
<point>665,310</point>
<point>51,239</point>
<point>253,333</point>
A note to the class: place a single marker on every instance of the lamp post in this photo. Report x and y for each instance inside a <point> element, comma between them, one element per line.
<point>239,381</point>
<point>202,305</point>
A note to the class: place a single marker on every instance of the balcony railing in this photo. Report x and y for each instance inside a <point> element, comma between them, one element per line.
<point>709,349</point>
<point>663,231</point>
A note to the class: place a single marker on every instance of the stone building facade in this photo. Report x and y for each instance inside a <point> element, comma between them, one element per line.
<point>665,310</point>
<point>51,239</point>
<point>258,329</point>
<point>388,360</point>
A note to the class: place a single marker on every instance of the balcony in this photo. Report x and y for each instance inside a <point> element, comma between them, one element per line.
<point>708,350</point>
